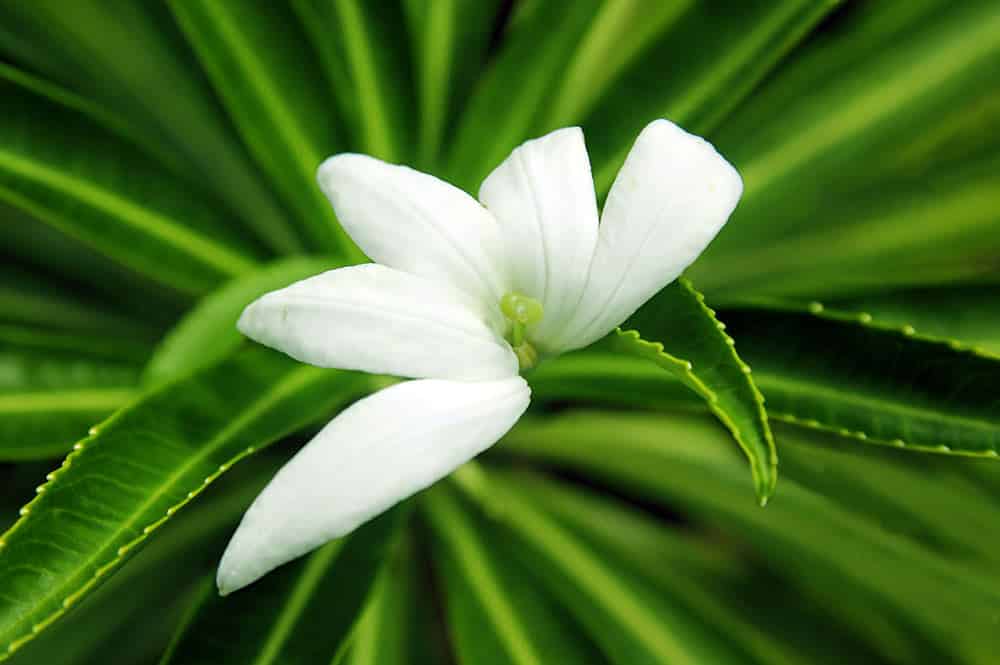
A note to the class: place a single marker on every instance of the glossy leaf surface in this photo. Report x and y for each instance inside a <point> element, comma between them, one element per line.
<point>681,334</point>
<point>139,468</point>
<point>301,613</point>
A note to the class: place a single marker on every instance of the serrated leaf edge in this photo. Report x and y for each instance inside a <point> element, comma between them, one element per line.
<point>124,550</point>
<point>686,369</point>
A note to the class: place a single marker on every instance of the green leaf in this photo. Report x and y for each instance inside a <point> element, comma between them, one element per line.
<point>703,357</point>
<point>64,170</point>
<point>629,622</point>
<point>968,315</point>
<point>496,614</point>
<point>935,228</point>
<point>54,386</point>
<point>139,468</point>
<point>301,613</point>
<point>27,299</point>
<point>60,260</point>
<point>518,80</point>
<point>92,47</point>
<point>260,63</point>
<point>910,601</point>
<point>102,116</point>
<point>598,376</point>
<point>397,627</point>
<point>208,333</point>
<point>877,384</point>
<point>112,625</point>
<point>364,49</point>
<point>449,39</point>
<point>710,582</point>
<point>710,72</point>
<point>820,128</point>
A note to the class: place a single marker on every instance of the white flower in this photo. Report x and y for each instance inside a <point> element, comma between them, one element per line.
<point>461,296</point>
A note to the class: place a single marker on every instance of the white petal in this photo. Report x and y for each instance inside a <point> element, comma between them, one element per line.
<point>543,198</point>
<point>376,319</point>
<point>414,222</point>
<point>670,199</point>
<point>373,455</point>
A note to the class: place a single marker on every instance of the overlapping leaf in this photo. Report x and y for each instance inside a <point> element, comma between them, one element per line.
<point>678,332</point>
<point>302,613</point>
<point>137,469</point>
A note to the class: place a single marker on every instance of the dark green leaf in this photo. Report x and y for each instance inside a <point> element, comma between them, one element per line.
<point>449,40</point>
<point>397,626</point>
<point>850,375</point>
<point>691,75</point>
<point>631,623</point>
<point>365,52</point>
<point>301,613</point>
<point>54,386</point>
<point>140,467</point>
<point>208,333</point>
<point>496,614</point>
<point>913,603</point>
<point>678,332</point>
<point>130,57</point>
<point>260,63</point>
<point>66,171</point>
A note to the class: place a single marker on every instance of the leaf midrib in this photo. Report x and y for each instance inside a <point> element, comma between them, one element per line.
<point>770,380</point>
<point>152,223</point>
<point>316,567</point>
<point>90,399</point>
<point>293,381</point>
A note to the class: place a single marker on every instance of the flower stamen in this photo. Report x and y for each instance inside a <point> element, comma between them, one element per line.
<point>522,311</point>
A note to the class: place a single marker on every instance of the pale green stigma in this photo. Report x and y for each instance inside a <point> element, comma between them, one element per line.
<point>522,311</point>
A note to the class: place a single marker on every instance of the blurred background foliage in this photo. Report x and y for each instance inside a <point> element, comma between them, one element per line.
<point>157,168</point>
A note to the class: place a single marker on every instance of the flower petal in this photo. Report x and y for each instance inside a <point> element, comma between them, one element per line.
<point>380,320</point>
<point>670,199</point>
<point>376,453</point>
<point>543,198</point>
<point>416,223</point>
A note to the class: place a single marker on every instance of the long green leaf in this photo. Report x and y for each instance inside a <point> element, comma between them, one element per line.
<point>818,129</point>
<point>495,613</point>
<point>912,602</point>
<point>112,625</point>
<point>629,622</point>
<point>138,468</point>
<point>536,49</point>
<point>397,626</point>
<point>259,61</point>
<point>60,167</point>
<point>62,261</point>
<point>364,49</point>
<point>711,582</point>
<point>55,386</point>
<point>92,47</point>
<point>27,298</point>
<point>449,39</point>
<point>301,613</point>
<point>600,376</point>
<point>678,332</point>
<point>208,333</point>
<point>851,375</point>
<point>692,75</point>
<point>968,315</point>
<point>935,228</point>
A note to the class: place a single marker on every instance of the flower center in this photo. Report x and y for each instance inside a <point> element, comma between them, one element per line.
<point>522,311</point>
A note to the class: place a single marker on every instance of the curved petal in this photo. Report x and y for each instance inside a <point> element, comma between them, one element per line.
<point>380,320</point>
<point>670,199</point>
<point>373,455</point>
<point>416,223</point>
<point>543,199</point>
